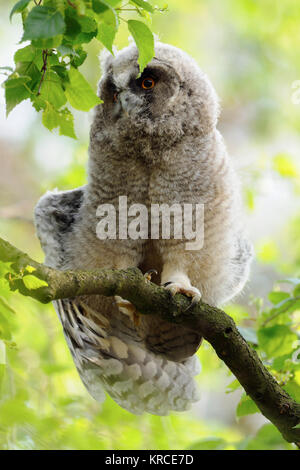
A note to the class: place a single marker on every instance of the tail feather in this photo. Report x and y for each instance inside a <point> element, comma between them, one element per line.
<point>137,379</point>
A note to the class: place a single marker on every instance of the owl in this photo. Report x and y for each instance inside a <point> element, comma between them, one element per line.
<point>154,140</point>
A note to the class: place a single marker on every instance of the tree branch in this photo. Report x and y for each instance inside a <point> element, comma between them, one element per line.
<point>215,325</point>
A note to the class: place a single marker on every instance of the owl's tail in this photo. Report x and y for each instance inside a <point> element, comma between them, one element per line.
<point>137,379</point>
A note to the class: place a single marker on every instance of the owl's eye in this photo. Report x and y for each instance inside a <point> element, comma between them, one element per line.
<point>115,97</point>
<point>148,83</point>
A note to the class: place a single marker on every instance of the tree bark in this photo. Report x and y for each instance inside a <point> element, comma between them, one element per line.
<point>215,325</point>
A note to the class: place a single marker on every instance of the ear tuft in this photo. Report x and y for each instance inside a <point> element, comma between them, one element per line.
<point>106,59</point>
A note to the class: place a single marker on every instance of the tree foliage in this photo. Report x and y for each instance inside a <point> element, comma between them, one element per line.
<point>46,70</point>
<point>43,405</point>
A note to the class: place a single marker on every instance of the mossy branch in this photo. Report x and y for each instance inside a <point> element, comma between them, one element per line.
<point>215,325</point>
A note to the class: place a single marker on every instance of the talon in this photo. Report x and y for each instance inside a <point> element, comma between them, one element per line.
<point>149,273</point>
<point>128,309</point>
<point>176,288</point>
<point>195,299</point>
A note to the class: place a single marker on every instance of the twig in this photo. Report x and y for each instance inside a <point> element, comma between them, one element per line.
<point>43,70</point>
<point>214,324</point>
<point>71,4</point>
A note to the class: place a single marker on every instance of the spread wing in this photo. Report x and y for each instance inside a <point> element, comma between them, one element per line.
<point>55,215</point>
<point>107,349</point>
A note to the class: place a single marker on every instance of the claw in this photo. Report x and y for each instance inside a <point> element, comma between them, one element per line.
<point>149,273</point>
<point>128,309</point>
<point>191,291</point>
<point>194,301</point>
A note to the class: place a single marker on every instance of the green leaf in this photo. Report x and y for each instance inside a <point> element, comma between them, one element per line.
<point>79,92</point>
<point>32,282</point>
<point>26,54</point>
<point>285,166</point>
<point>276,340</point>
<point>29,69</point>
<point>52,91</point>
<point>50,117</point>
<point>293,389</point>
<point>142,4</point>
<point>30,269</point>
<point>235,385</point>
<point>246,406</point>
<point>63,119</point>
<point>18,7</point>
<point>14,96</point>
<point>296,291</point>
<point>275,297</point>
<point>16,82</point>
<point>42,23</point>
<point>268,437</point>
<point>106,34</point>
<point>79,57</point>
<point>99,6</point>
<point>144,40</point>
<point>66,123</point>
<point>213,443</point>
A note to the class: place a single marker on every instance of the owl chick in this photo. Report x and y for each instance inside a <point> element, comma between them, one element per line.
<point>154,140</point>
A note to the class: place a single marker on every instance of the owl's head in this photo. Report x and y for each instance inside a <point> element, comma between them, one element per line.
<point>170,99</point>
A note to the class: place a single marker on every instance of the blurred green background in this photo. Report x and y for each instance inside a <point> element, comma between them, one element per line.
<point>249,49</point>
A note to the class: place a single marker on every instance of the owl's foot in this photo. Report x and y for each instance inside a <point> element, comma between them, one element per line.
<point>149,273</point>
<point>128,309</point>
<point>181,288</point>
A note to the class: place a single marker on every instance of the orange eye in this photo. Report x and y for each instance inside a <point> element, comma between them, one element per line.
<point>115,98</point>
<point>148,83</point>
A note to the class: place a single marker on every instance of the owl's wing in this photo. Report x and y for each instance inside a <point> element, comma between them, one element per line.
<point>54,216</point>
<point>107,349</point>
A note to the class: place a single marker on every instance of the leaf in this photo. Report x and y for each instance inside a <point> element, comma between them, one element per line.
<point>144,40</point>
<point>26,54</point>
<point>29,69</point>
<point>8,69</point>
<point>50,117</point>
<point>63,119</point>
<point>106,34</point>
<point>52,91</point>
<point>275,297</point>
<point>16,82</point>
<point>32,282</point>
<point>213,443</point>
<point>293,389</point>
<point>290,280</point>
<point>276,340</point>
<point>143,4</point>
<point>66,123</point>
<point>14,96</point>
<point>89,29</point>
<point>79,57</point>
<point>268,437</point>
<point>42,23</point>
<point>79,92</point>
<point>233,386</point>
<point>18,7</point>
<point>30,269</point>
<point>99,6</point>
<point>285,166</point>
<point>246,406</point>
